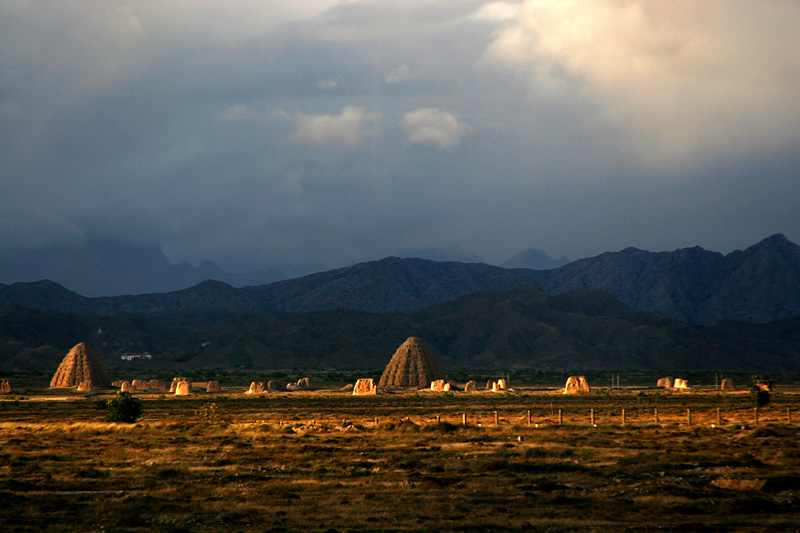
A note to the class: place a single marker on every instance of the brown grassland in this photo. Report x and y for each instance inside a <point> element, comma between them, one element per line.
<point>318,461</point>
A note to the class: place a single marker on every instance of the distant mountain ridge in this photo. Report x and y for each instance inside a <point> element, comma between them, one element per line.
<point>520,328</point>
<point>388,285</point>
<point>104,268</point>
<point>759,284</point>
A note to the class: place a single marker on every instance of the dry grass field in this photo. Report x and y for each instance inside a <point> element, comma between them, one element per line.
<point>318,461</point>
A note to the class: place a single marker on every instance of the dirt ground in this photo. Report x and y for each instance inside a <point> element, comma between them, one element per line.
<point>402,461</point>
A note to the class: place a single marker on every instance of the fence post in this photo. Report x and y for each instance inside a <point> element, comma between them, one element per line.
<point>376,421</point>
<point>496,419</point>
<point>719,417</point>
<point>756,412</point>
<point>529,417</point>
<point>560,419</point>
<point>464,419</point>
<point>591,416</point>
<point>438,419</point>
<point>623,417</point>
<point>655,414</point>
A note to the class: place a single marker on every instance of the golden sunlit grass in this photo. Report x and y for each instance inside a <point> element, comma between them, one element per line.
<point>321,461</point>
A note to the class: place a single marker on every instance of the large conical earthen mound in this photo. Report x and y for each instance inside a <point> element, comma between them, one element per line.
<point>412,365</point>
<point>80,366</point>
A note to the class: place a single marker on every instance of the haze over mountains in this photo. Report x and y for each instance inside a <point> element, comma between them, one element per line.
<point>535,259</point>
<point>759,284</point>
<point>104,268</point>
<point>110,268</point>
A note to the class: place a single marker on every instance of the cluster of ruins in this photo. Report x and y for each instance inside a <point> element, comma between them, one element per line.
<point>682,384</point>
<point>175,387</point>
<point>258,387</point>
<point>413,365</point>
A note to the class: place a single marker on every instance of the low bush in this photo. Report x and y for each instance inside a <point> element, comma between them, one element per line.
<point>210,413</point>
<point>124,408</point>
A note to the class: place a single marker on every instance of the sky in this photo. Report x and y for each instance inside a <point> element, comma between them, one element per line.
<point>318,133</point>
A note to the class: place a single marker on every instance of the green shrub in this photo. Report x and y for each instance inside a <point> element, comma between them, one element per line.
<point>210,413</point>
<point>123,408</point>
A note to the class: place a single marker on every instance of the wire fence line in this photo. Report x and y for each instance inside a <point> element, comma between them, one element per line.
<point>568,417</point>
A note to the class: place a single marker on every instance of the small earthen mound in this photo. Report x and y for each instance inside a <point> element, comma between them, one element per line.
<point>664,382</point>
<point>256,387</point>
<point>174,385</point>
<point>125,386</point>
<point>84,386</point>
<point>183,388</point>
<point>5,386</point>
<point>727,384</point>
<point>80,364</point>
<point>680,384</point>
<point>140,385</point>
<point>501,384</point>
<point>490,385</point>
<point>365,387</point>
<point>438,385</point>
<point>470,386</point>
<point>412,365</point>
<point>213,386</point>
<point>304,383</point>
<point>576,385</point>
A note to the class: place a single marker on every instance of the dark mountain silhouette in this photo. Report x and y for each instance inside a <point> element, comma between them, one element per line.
<point>759,284</point>
<point>107,268</point>
<point>391,284</point>
<point>534,259</point>
<point>521,328</point>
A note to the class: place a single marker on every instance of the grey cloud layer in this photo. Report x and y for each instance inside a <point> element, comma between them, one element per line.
<point>323,132</point>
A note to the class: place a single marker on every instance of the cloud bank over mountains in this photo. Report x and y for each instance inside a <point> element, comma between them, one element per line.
<point>326,132</point>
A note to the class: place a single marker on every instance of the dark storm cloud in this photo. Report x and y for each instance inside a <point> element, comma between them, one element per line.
<point>324,132</point>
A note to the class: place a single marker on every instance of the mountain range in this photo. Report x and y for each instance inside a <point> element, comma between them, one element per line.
<point>759,284</point>
<point>520,328</point>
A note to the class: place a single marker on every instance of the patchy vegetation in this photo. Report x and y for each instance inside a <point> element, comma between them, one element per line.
<point>322,461</point>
